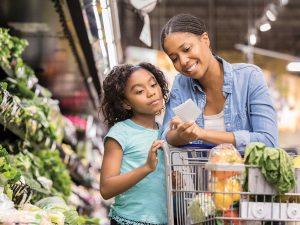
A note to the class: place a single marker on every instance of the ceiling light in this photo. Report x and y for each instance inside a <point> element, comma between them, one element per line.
<point>284,2</point>
<point>270,15</point>
<point>252,39</point>
<point>293,67</point>
<point>271,12</point>
<point>263,24</point>
<point>265,27</point>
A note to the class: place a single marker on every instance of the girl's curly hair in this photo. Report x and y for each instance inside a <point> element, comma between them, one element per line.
<point>114,88</point>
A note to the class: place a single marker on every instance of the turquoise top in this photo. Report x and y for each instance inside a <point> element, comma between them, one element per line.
<point>145,202</point>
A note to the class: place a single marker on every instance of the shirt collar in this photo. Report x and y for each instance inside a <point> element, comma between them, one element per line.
<point>227,85</point>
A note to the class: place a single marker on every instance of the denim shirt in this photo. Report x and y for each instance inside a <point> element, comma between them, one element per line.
<point>248,109</point>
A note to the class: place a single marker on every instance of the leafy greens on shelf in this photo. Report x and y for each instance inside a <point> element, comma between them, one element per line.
<point>8,173</point>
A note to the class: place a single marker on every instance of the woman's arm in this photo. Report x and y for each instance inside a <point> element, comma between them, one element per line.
<point>262,114</point>
<point>216,137</point>
<point>181,133</point>
<point>111,182</point>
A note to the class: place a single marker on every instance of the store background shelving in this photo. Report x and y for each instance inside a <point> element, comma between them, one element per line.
<point>50,100</point>
<point>37,124</point>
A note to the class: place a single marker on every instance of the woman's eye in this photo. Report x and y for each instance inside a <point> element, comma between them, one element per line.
<point>173,59</point>
<point>186,49</point>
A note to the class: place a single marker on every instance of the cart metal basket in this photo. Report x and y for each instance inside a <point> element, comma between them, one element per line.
<point>199,192</point>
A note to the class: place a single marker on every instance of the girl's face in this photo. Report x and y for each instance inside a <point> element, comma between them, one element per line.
<point>143,94</point>
<point>189,53</point>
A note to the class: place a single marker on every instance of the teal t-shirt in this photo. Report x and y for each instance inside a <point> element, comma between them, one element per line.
<point>145,202</point>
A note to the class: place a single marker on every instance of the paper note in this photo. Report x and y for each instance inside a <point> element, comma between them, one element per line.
<point>187,111</point>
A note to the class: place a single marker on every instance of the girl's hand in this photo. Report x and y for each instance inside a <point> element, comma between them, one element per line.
<point>187,131</point>
<point>152,155</point>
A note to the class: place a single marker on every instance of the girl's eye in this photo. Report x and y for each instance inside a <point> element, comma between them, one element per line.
<point>153,85</point>
<point>139,92</point>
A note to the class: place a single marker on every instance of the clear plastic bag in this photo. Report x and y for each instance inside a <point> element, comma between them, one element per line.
<point>225,153</point>
<point>225,167</point>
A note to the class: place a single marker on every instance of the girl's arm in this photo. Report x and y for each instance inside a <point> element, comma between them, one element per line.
<point>111,182</point>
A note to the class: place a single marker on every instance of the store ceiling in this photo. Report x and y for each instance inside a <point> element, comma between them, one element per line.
<point>226,20</point>
<point>49,52</point>
<point>50,55</point>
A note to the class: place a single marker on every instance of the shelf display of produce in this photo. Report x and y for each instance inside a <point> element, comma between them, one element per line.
<point>40,168</point>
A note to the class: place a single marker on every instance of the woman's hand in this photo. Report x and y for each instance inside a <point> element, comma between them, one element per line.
<point>152,155</point>
<point>187,131</point>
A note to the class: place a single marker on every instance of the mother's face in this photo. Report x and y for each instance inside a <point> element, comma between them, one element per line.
<point>189,53</point>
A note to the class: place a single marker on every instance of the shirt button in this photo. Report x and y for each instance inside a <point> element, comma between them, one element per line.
<point>226,106</point>
<point>228,124</point>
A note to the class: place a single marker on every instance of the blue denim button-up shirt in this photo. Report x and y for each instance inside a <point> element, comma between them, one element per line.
<point>248,108</point>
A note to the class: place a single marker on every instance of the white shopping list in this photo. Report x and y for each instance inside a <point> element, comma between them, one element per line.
<point>187,111</point>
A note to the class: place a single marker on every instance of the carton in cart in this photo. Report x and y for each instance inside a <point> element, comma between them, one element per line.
<point>262,201</point>
<point>257,184</point>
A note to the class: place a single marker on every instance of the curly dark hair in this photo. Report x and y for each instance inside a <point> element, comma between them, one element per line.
<point>114,88</point>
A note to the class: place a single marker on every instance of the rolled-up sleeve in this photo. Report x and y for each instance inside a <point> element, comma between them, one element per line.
<point>242,138</point>
<point>262,113</point>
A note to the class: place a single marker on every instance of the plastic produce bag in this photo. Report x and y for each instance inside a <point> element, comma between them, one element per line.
<point>225,169</point>
<point>225,154</point>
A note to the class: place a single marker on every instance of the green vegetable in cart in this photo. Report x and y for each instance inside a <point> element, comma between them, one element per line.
<point>275,165</point>
<point>201,207</point>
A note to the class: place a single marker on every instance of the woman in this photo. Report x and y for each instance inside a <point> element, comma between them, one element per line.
<point>234,99</point>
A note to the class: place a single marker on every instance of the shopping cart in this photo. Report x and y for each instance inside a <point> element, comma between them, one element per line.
<point>197,195</point>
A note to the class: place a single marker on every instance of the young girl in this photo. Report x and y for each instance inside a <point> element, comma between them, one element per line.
<point>133,168</point>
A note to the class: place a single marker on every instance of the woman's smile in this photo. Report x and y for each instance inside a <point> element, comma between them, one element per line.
<point>191,68</point>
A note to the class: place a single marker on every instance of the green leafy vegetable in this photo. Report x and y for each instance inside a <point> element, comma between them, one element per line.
<point>8,173</point>
<point>56,170</point>
<point>275,165</point>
